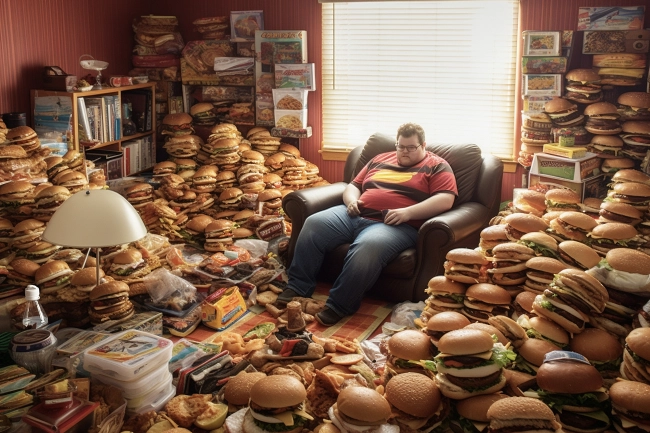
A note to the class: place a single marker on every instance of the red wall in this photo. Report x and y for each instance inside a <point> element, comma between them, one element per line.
<point>37,33</point>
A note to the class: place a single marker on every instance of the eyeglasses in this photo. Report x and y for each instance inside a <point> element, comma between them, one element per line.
<point>407,148</point>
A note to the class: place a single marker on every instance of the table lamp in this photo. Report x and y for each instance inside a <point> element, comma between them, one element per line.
<point>94,219</point>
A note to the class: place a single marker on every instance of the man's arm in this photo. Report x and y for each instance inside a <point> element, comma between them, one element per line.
<point>351,196</point>
<point>424,210</point>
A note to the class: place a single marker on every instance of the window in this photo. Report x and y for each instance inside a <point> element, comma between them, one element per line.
<point>447,65</point>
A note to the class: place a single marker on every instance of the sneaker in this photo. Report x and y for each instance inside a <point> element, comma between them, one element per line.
<point>287,296</point>
<point>328,317</point>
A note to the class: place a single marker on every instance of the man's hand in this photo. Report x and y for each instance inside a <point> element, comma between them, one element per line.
<point>354,208</point>
<point>394,217</point>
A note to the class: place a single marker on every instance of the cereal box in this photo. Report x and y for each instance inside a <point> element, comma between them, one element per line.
<point>291,119</point>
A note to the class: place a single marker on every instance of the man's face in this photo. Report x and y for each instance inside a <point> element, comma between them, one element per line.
<point>409,150</point>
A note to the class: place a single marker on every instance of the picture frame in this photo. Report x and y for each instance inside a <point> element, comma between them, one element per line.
<point>243,25</point>
<point>542,43</point>
<point>542,85</point>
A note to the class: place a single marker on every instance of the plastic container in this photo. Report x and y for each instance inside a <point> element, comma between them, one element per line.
<point>34,316</point>
<point>160,391</point>
<point>34,349</point>
<point>128,355</point>
<point>156,404</point>
<point>134,389</point>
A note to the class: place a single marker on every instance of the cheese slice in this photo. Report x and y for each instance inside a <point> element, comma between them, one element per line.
<point>626,423</point>
<point>285,417</point>
<point>484,355</point>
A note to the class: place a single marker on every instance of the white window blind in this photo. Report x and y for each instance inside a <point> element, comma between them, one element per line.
<point>447,65</point>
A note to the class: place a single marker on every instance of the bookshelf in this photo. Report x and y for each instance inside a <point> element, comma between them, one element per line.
<point>142,97</point>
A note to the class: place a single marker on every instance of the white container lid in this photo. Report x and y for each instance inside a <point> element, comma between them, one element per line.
<point>128,355</point>
<point>156,403</point>
<point>133,389</point>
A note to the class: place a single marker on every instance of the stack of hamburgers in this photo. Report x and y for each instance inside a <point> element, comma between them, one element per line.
<point>139,195</point>
<point>203,114</point>
<point>177,124</point>
<point>218,236</point>
<point>636,138</point>
<point>583,86</point>
<point>634,106</point>
<point>262,141</point>
<point>110,301</point>
<point>48,200</point>
<point>183,146</point>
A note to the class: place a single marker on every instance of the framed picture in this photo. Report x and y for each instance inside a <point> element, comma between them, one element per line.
<point>542,85</point>
<point>537,43</point>
<point>243,25</point>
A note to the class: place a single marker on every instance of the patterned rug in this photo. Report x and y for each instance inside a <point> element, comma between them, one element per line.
<point>361,325</point>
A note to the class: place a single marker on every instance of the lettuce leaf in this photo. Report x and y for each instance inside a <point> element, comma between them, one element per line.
<point>558,401</point>
<point>502,356</point>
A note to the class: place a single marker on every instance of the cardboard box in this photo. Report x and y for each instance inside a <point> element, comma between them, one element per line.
<point>197,64</point>
<point>623,60</point>
<point>147,321</point>
<point>222,308</point>
<point>592,187</point>
<point>535,104</point>
<point>575,170</point>
<point>542,43</point>
<point>611,18</point>
<point>565,152</point>
<point>291,119</point>
<point>111,161</point>
<point>616,41</point>
<point>543,65</point>
<point>542,85</point>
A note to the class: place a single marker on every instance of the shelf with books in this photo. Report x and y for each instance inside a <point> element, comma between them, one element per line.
<point>96,121</point>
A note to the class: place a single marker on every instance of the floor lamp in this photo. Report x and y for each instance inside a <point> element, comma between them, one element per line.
<point>94,219</point>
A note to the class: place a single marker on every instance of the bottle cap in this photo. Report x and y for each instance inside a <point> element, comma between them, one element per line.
<point>32,293</point>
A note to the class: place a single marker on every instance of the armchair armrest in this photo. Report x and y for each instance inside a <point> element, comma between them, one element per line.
<point>454,225</point>
<point>298,205</point>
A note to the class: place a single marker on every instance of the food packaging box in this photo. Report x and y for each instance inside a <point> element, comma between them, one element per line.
<point>197,63</point>
<point>153,401</point>
<point>565,152</point>
<point>291,119</point>
<point>616,41</point>
<point>128,355</point>
<point>137,388</point>
<point>575,170</point>
<point>593,187</point>
<point>290,99</point>
<point>292,133</point>
<point>243,25</point>
<point>542,43</point>
<point>224,93</point>
<point>147,321</point>
<point>543,65</point>
<point>611,18</point>
<point>264,110</point>
<point>222,308</point>
<point>298,75</point>
<point>542,85</point>
<point>623,60</point>
<point>535,104</point>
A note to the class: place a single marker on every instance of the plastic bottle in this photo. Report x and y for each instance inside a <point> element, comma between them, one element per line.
<point>34,316</point>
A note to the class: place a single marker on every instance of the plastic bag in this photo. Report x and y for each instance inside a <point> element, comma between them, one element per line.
<point>404,314</point>
<point>256,247</point>
<point>169,291</point>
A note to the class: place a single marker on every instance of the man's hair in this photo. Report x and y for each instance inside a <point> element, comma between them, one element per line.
<point>410,129</point>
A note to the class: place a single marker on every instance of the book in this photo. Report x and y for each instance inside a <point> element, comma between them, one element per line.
<point>85,133</point>
<point>99,112</point>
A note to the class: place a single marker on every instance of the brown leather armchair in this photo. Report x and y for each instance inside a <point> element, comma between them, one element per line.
<point>478,178</point>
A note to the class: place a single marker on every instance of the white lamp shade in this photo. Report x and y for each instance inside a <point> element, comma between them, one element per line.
<point>94,218</point>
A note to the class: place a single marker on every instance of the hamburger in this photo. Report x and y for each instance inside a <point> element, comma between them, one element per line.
<point>490,237</point>
<point>633,193</point>
<point>611,165</point>
<point>238,389</point>
<point>358,409</point>
<point>530,355</point>
<point>16,193</point>
<point>560,199</point>
<point>614,212</point>
<point>48,200</point>
<point>577,255</point>
<point>631,175</point>
<point>270,201</point>
<point>139,194</point>
<point>625,270</point>
<point>110,301</point>
<point>40,252</point>
<point>602,119</point>
<point>484,300</point>
<point>590,206</point>
<point>177,124</point>
<point>276,405</point>
<point>509,264</point>
<point>634,106</point>
<point>494,332</point>
<point>274,162</point>
<point>583,86</point>
<point>540,243</point>
<point>224,130</point>
<point>544,329</point>
<point>469,364</point>
<point>530,201</point>
<point>85,280</point>
<point>517,224</point>
<point>521,414</point>
<point>527,153</point>
<point>572,225</point>
<point>607,147</point>
<point>563,112</point>
<point>621,76</point>
<point>574,390</point>
<point>55,165</point>
<point>25,137</point>
<point>535,128</point>
<point>636,356</point>
<point>293,170</point>
<point>184,164</point>
<point>443,322</point>
<point>523,304</point>
<point>128,265</point>
<point>272,180</point>
<point>630,406</point>
<point>27,233</point>
<point>205,179</point>
<point>417,404</point>
<point>164,168</point>
<point>510,329</point>
<point>75,181</point>
<point>7,253</point>
<point>466,266</point>
<point>203,114</point>
<point>603,350</point>
<point>188,199</point>
<point>406,351</point>
<point>53,276</point>
<point>230,198</point>
<point>636,136</point>
<point>223,151</point>
<point>183,146</point>
<point>218,236</point>
<point>607,236</point>
<point>194,230</point>
<point>471,413</point>
<point>444,295</point>
<point>21,272</point>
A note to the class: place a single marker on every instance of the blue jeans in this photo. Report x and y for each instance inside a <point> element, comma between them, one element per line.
<point>373,245</point>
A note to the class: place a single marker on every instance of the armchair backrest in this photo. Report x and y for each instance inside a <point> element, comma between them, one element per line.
<point>465,159</point>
